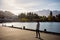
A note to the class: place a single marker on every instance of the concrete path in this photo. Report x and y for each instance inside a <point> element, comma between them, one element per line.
<point>7,33</point>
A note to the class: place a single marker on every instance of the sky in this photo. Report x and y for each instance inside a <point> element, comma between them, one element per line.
<point>18,6</point>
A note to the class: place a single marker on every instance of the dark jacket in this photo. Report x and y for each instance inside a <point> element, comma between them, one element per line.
<point>38,25</point>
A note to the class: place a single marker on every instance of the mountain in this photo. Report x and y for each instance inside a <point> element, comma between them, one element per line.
<point>56,12</point>
<point>1,14</point>
<point>47,12</point>
<point>7,14</point>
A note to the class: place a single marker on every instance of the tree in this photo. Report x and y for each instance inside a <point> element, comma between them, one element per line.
<point>50,17</point>
<point>30,16</point>
<point>22,15</point>
<point>58,18</point>
<point>44,18</point>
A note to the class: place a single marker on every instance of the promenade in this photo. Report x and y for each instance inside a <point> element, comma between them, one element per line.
<point>7,33</point>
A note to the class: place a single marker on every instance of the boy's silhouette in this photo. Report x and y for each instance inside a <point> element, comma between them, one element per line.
<point>37,31</point>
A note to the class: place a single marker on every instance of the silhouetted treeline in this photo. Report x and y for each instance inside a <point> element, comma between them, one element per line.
<point>33,17</point>
<point>6,16</point>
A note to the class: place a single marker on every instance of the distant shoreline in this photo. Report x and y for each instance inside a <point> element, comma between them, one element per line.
<point>11,22</point>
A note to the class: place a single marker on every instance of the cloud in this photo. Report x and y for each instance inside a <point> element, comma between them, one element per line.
<point>0,2</point>
<point>29,5</point>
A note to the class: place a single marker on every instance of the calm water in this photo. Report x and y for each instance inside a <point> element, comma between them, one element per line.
<point>49,26</point>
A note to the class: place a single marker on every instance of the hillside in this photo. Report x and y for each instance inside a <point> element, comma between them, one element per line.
<point>47,12</point>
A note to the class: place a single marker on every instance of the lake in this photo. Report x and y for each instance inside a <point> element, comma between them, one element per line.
<point>49,26</point>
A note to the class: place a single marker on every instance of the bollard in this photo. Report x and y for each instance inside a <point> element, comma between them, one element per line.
<point>23,27</point>
<point>12,25</point>
<point>44,30</point>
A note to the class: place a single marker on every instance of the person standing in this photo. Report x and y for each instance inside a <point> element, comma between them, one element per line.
<point>37,30</point>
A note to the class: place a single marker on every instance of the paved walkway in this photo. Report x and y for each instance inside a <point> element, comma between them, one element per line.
<point>7,33</point>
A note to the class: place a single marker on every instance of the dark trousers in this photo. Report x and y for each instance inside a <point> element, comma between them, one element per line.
<point>37,34</point>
